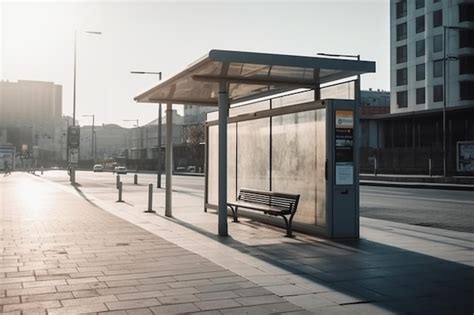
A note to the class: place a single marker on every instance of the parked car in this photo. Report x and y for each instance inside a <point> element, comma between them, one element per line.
<point>121,170</point>
<point>98,168</point>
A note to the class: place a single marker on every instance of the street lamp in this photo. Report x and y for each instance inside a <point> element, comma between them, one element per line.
<point>136,120</point>
<point>158,174</point>
<point>447,58</point>
<point>93,136</point>
<point>73,167</point>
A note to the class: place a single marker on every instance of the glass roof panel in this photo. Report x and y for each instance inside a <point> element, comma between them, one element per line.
<point>250,75</point>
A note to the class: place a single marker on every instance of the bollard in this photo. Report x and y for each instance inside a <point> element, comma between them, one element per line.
<point>429,167</point>
<point>135,179</point>
<point>120,192</point>
<point>375,166</point>
<point>117,181</point>
<point>150,199</point>
<point>42,169</point>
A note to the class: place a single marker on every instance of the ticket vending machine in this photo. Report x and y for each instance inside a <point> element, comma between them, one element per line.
<point>342,171</point>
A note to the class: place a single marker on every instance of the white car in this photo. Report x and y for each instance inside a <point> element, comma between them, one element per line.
<point>98,168</point>
<point>121,170</point>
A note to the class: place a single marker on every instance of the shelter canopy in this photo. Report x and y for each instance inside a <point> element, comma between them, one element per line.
<point>250,75</point>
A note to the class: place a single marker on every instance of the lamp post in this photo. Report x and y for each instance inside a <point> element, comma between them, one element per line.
<point>136,120</point>
<point>447,58</point>
<point>158,172</point>
<point>93,136</point>
<point>73,167</point>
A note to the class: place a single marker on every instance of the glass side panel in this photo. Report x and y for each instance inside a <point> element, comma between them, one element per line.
<point>345,91</point>
<point>213,166</point>
<point>294,160</point>
<point>249,108</point>
<point>231,161</point>
<point>253,158</point>
<point>293,99</point>
<point>319,176</point>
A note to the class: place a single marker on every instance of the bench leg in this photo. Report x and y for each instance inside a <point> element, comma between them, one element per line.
<point>234,213</point>
<point>288,226</point>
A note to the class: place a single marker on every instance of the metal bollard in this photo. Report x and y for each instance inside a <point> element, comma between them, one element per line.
<point>375,166</point>
<point>429,167</point>
<point>120,192</point>
<point>117,181</point>
<point>135,179</point>
<point>150,199</point>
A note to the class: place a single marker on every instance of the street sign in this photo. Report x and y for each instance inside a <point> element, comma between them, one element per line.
<point>74,155</point>
<point>73,137</point>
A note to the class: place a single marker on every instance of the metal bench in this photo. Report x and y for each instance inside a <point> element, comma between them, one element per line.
<point>268,202</point>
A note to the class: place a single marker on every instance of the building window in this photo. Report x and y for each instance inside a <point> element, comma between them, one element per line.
<point>466,64</point>
<point>437,93</point>
<point>437,68</point>
<point>402,99</point>
<point>420,48</point>
<point>420,24</point>
<point>466,38</point>
<point>437,43</point>
<point>420,72</point>
<point>466,12</point>
<point>402,54</point>
<point>401,8</point>
<point>402,77</point>
<point>437,18</point>
<point>466,90</point>
<point>420,96</point>
<point>402,31</point>
<point>419,4</point>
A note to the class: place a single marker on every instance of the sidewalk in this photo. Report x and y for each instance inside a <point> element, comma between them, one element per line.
<point>394,268</point>
<point>419,181</point>
<point>63,255</point>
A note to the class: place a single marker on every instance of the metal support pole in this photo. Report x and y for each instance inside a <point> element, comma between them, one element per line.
<point>150,199</point>
<point>429,167</point>
<point>135,179</point>
<point>169,159</point>
<point>444,104</point>
<point>120,192</point>
<point>117,181</point>
<point>92,138</point>
<point>159,158</point>
<point>375,166</point>
<point>222,199</point>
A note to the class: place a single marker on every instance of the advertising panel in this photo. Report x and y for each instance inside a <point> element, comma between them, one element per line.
<point>465,156</point>
<point>7,157</point>
<point>344,147</point>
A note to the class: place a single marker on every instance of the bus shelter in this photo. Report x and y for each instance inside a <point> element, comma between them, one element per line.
<point>226,79</point>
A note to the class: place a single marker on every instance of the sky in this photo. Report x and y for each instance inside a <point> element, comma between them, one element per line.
<point>37,43</point>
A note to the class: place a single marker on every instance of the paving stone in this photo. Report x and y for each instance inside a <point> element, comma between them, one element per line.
<point>216,295</point>
<point>31,305</point>
<point>178,299</point>
<point>46,297</point>
<point>139,295</point>
<point>256,300</point>
<point>89,300</point>
<point>217,304</point>
<point>175,309</point>
<point>131,304</point>
<point>80,309</point>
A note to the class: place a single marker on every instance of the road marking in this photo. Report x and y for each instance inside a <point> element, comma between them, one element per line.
<point>423,199</point>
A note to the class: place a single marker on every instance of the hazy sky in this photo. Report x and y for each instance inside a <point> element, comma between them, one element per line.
<point>37,42</point>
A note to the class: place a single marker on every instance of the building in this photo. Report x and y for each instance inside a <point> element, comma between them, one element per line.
<point>426,38</point>
<point>432,91</point>
<point>109,141</point>
<point>30,116</point>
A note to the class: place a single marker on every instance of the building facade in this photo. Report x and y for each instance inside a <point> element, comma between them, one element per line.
<point>30,116</point>
<point>432,54</point>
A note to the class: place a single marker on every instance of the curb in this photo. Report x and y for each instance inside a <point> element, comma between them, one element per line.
<point>417,185</point>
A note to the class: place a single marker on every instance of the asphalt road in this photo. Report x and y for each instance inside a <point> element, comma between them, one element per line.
<point>445,209</point>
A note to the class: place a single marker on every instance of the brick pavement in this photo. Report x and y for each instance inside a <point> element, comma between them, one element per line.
<point>62,255</point>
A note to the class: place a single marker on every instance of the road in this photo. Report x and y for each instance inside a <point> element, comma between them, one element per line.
<point>445,209</point>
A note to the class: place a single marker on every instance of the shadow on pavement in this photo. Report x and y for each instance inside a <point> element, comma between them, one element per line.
<point>363,276</point>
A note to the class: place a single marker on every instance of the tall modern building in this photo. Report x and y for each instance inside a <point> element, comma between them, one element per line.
<point>432,54</point>
<point>30,116</point>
